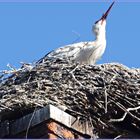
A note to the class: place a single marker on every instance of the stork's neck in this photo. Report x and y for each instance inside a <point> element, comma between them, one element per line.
<point>101,36</point>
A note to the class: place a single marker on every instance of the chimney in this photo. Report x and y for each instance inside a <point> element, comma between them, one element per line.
<point>49,122</point>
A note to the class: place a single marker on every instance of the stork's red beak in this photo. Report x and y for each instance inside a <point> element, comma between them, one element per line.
<point>106,13</point>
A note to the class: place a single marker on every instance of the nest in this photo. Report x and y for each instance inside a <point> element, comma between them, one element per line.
<point>107,95</point>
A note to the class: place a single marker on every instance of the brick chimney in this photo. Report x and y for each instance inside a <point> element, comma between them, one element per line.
<point>49,122</point>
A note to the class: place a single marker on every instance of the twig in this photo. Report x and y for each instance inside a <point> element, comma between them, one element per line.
<point>78,36</point>
<point>11,67</point>
<point>26,135</point>
<point>73,76</point>
<point>106,99</point>
<point>106,102</point>
<point>29,79</point>
<point>126,112</point>
<point>117,137</point>
<point>6,107</point>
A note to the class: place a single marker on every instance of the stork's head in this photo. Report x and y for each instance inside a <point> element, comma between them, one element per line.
<point>101,23</point>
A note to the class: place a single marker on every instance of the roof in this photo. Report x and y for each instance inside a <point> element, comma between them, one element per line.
<point>107,95</point>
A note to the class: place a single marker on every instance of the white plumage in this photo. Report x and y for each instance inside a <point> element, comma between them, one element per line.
<point>82,52</point>
<point>85,52</point>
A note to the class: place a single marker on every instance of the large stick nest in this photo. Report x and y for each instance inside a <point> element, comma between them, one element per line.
<point>107,95</point>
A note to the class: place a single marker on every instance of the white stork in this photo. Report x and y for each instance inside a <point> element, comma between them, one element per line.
<point>85,52</point>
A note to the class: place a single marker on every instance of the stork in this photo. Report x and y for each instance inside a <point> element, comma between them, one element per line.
<point>85,52</point>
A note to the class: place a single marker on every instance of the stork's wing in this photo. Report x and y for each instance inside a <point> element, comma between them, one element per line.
<point>67,51</point>
<point>71,51</point>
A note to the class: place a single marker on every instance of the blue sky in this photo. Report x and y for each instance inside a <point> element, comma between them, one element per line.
<point>30,30</point>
